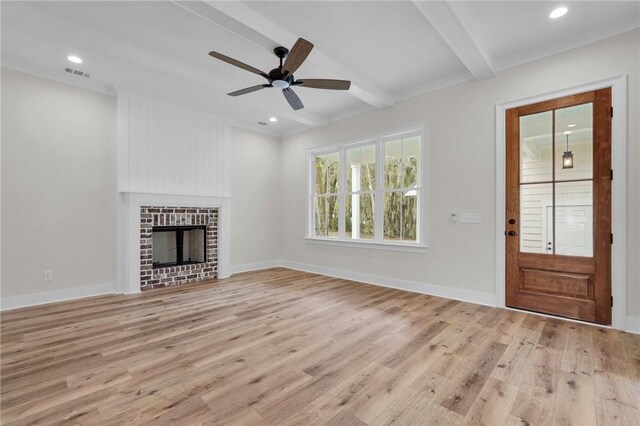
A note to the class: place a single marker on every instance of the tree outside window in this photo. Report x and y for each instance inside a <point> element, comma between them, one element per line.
<point>369,191</point>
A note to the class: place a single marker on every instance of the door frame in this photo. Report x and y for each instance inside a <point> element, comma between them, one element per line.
<point>619,137</point>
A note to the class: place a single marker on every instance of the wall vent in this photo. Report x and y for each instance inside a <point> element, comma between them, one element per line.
<point>77,72</point>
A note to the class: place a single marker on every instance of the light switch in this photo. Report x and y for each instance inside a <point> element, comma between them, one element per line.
<point>470,218</point>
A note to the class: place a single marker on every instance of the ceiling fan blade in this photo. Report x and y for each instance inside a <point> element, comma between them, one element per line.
<point>248,90</point>
<point>293,99</point>
<point>238,64</point>
<point>297,55</point>
<point>319,83</point>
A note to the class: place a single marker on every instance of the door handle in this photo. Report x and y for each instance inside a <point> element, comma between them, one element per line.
<point>512,233</point>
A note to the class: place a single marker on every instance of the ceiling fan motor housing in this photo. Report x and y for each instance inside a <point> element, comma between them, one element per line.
<point>278,78</point>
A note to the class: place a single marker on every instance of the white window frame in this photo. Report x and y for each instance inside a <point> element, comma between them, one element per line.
<point>378,242</point>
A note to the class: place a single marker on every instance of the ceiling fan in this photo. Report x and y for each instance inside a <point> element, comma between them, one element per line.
<point>282,76</point>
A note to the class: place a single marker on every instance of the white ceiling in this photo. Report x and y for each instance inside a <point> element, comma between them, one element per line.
<point>390,50</point>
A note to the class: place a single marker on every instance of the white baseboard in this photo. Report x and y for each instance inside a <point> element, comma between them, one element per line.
<point>633,325</point>
<point>480,298</point>
<point>32,299</point>
<point>247,267</point>
<point>487,299</point>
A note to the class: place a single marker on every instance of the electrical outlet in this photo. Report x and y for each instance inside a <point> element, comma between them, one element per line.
<point>48,275</point>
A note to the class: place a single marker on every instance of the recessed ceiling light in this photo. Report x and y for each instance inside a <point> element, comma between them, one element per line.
<point>571,125</point>
<point>74,59</point>
<point>273,119</point>
<point>560,11</point>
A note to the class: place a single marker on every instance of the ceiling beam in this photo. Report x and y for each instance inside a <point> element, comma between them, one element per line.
<point>447,24</point>
<point>245,22</point>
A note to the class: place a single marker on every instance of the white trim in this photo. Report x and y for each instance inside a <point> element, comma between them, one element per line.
<point>447,24</point>
<point>33,299</point>
<point>633,325</point>
<point>367,244</point>
<point>487,299</point>
<point>257,266</point>
<point>618,188</point>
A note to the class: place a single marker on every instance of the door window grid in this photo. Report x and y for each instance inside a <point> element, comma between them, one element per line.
<point>553,182</point>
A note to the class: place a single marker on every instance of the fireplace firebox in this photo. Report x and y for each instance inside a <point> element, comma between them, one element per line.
<point>179,245</point>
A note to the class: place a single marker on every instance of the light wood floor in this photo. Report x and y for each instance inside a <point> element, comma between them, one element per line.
<point>285,347</point>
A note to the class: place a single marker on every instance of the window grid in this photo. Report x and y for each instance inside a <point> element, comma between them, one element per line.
<point>378,193</point>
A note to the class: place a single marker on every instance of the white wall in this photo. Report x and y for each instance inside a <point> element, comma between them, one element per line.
<point>165,149</point>
<point>256,209</point>
<point>59,181</point>
<point>58,185</point>
<point>461,138</point>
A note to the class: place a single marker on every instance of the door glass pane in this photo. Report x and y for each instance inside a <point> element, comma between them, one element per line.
<point>535,234</point>
<point>536,145</point>
<point>574,142</point>
<point>574,218</point>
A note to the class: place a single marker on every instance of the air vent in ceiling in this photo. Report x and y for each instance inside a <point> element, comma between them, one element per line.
<point>77,72</point>
<point>262,123</point>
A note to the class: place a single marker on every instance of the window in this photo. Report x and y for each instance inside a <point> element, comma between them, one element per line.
<point>359,198</point>
<point>401,188</point>
<point>326,196</point>
<point>369,191</point>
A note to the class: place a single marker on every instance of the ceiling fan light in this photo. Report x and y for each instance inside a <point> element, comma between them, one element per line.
<point>558,12</point>
<point>280,84</point>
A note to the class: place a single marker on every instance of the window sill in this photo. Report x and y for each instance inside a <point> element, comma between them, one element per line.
<point>375,245</point>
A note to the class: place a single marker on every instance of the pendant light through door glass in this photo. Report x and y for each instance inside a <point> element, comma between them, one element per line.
<point>567,157</point>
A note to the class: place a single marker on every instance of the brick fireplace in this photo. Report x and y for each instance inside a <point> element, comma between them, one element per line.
<point>159,217</point>
<point>139,212</point>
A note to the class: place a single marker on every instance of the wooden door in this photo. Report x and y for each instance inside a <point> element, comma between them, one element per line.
<point>558,207</point>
